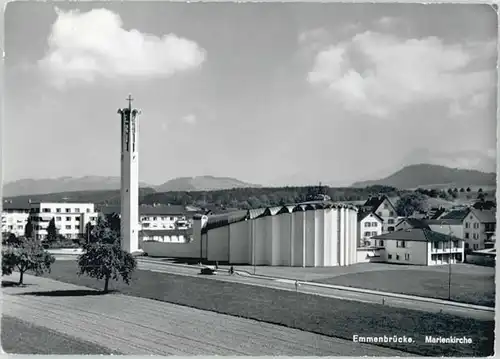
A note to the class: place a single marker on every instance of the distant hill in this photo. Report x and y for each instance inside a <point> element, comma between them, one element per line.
<point>111,197</point>
<point>25,187</point>
<point>427,175</point>
<point>62,184</point>
<point>202,183</point>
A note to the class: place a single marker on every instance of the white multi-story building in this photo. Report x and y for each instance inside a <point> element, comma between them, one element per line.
<point>369,225</point>
<point>70,218</point>
<point>159,217</point>
<point>14,217</point>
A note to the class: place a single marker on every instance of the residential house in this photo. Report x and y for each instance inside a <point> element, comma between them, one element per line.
<point>420,246</point>
<point>407,223</point>
<point>369,225</point>
<point>478,226</point>
<point>449,227</point>
<point>383,208</point>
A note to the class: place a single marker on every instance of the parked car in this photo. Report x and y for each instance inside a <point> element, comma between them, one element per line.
<point>208,271</point>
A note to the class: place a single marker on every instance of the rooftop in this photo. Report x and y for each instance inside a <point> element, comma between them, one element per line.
<point>415,222</point>
<point>224,219</point>
<point>459,214</point>
<point>363,214</point>
<point>444,222</point>
<point>418,235</point>
<point>375,202</point>
<point>485,215</point>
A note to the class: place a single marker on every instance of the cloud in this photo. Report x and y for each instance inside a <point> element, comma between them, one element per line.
<point>387,21</point>
<point>85,46</point>
<point>189,119</point>
<point>380,74</point>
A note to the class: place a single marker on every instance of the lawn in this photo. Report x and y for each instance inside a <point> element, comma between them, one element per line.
<point>328,316</point>
<point>470,288</point>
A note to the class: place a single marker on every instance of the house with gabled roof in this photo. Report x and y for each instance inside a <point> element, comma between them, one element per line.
<point>383,207</point>
<point>478,226</point>
<point>421,246</point>
<point>369,225</point>
<point>409,222</point>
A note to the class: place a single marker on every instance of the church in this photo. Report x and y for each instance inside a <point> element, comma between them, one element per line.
<point>311,234</point>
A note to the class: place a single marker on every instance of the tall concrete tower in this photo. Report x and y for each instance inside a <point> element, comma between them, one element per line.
<point>129,178</point>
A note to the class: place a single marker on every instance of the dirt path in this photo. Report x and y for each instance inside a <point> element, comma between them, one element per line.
<point>140,326</point>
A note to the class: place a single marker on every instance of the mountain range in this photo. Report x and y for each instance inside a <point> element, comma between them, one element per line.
<point>426,175</point>
<point>409,177</point>
<point>101,183</point>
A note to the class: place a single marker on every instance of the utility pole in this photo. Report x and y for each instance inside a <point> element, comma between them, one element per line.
<point>449,256</point>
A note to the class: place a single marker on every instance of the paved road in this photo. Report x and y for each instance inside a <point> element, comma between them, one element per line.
<point>139,326</point>
<point>156,266</point>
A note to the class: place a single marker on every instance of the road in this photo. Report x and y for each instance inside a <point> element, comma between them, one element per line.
<point>139,326</point>
<point>304,287</point>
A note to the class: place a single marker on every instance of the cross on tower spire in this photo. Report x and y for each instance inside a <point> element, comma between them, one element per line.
<point>130,99</point>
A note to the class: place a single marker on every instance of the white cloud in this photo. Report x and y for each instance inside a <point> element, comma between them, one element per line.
<point>84,46</point>
<point>387,21</point>
<point>379,74</point>
<point>189,119</point>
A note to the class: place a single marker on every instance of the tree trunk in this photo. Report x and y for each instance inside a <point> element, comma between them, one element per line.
<point>21,277</point>
<point>106,284</point>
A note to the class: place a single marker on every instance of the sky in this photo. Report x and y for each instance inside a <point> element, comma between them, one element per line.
<point>268,93</point>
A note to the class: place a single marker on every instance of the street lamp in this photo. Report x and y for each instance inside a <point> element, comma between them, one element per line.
<point>449,257</point>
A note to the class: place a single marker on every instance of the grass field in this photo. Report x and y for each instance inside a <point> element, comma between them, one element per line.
<point>467,288</point>
<point>311,313</point>
<point>19,337</point>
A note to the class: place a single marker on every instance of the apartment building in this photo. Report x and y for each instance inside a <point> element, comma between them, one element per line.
<point>70,218</point>
<point>14,217</point>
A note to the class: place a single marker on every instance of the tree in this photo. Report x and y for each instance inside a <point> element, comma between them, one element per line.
<point>450,191</point>
<point>409,203</point>
<point>480,190</point>
<point>28,229</point>
<point>480,196</point>
<point>11,240</point>
<point>88,232</point>
<point>455,190</point>
<point>468,189</point>
<point>103,257</point>
<point>462,190</point>
<point>114,222</point>
<point>28,256</point>
<point>52,230</point>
